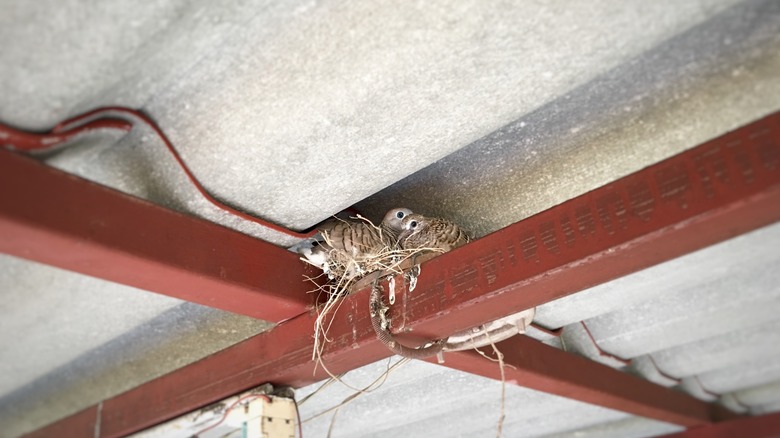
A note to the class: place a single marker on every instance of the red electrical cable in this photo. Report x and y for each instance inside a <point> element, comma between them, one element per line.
<point>30,142</point>
<point>100,119</point>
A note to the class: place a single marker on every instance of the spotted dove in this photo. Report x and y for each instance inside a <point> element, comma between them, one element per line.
<point>346,243</point>
<point>420,232</point>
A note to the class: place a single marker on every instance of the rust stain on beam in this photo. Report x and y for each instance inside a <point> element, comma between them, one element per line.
<point>713,192</point>
<point>52,217</point>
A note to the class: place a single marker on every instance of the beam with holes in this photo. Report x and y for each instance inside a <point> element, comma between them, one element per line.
<point>723,188</point>
<point>51,217</point>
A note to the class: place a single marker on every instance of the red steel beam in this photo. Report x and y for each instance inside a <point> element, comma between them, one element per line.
<point>765,426</point>
<point>718,190</point>
<point>534,365</point>
<point>55,218</point>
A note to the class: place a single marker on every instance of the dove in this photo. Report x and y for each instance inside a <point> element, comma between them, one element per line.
<point>345,244</point>
<point>421,232</point>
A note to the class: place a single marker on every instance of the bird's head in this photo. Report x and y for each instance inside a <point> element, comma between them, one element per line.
<point>394,218</point>
<point>412,224</point>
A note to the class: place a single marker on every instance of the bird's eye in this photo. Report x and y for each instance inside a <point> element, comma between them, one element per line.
<point>400,215</point>
<point>413,224</point>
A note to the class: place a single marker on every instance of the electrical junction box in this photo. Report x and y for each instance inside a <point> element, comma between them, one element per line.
<point>260,418</point>
<point>253,414</point>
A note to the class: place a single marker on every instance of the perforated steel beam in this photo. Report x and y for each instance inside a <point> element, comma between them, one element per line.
<point>715,191</point>
<point>55,218</point>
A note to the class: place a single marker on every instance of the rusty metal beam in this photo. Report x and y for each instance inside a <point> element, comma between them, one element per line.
<point>55,218</point>
<point>718,190</point>
<point>765,426</point>
<point>534,365</point>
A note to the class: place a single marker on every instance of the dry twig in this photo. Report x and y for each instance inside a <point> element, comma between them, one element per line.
<point>500,357</point>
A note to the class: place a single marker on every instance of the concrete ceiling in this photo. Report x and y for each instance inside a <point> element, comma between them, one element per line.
<point>485,113</point>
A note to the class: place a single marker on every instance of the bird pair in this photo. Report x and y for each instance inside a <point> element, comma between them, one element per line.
<point>350,249</point>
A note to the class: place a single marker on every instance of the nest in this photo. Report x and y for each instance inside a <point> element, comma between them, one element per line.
<point>350,271</point>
